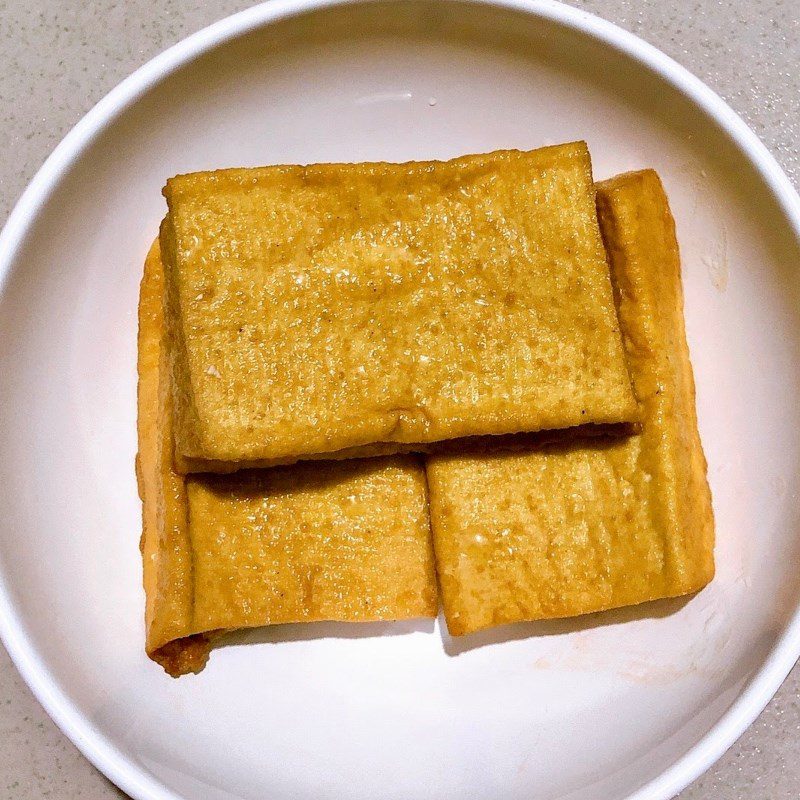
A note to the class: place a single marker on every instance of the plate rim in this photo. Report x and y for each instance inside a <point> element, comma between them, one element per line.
<point>99,749</point>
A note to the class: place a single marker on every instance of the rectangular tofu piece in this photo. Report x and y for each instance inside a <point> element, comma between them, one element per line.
<point>324,308</point>
<point>580,526</point>
<point>345,541</point>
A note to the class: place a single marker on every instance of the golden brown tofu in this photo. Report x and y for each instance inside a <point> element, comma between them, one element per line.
<point>580,526</point>
<point>323,308</point>
<point>345,541</point>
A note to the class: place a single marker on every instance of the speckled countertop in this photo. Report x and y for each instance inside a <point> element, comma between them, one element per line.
<point>59,57</point>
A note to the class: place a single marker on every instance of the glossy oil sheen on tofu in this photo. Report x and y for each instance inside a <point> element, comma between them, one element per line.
<point>344,541</point>
<point>328,307</point>
<point>582,526</point>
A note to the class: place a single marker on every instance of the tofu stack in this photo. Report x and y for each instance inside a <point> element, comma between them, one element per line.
<point>322,347</point>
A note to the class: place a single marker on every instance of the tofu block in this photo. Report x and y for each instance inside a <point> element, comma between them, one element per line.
<point>344,541</point>
<point>330,307</point>
<point>579,526</point>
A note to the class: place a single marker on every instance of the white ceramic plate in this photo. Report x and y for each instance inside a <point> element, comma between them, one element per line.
<point>631,704</point>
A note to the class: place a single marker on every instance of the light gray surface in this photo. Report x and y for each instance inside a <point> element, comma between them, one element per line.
<point>59,57</point>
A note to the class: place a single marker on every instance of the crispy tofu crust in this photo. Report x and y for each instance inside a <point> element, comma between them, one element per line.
<point>322,309</point>
<point>575,527</point>
<point>344,541</point>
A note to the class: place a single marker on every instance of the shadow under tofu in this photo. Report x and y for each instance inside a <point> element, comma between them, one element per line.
<point>308,631</point>
<point>654,609</point>
<point>303,477</point>
<point>593,434</point>
<point>452,645</point>
<point>323,474</point>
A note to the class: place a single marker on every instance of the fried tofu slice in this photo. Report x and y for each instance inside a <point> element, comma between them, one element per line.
<point>345,541</point>
<point>585,525</point>
<point>333,307</point>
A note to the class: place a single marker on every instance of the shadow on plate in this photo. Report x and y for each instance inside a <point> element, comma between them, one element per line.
<point>655,609</point>
<point>452,645</point>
